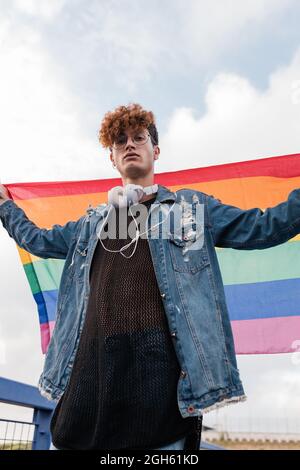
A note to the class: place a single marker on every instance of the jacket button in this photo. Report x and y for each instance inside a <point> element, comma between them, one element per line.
<point>163,295</point>
<point>173,334</point>
<point>191,409</point>
<point>183,374</point>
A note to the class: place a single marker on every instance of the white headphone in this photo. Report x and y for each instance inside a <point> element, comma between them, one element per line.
<point>132,193</point>
<point>123,196</point>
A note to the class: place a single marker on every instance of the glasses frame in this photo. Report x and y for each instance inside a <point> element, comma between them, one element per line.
<point>122,147</point>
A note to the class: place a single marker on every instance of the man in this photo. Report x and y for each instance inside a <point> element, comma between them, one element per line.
<point>142,345</point>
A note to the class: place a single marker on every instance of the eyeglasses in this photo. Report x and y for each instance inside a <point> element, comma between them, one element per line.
<point>140,138</point>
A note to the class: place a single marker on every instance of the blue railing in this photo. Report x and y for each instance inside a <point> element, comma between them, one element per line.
<point>21,434</point>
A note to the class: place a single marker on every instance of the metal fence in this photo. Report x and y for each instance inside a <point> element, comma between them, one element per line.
<point>16,435</point>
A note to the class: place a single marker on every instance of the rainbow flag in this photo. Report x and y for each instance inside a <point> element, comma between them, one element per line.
<point>262,287</point>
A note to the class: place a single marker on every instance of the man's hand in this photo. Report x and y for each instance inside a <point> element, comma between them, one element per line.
<point>4,196</point>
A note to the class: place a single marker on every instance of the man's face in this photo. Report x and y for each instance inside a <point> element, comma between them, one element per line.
<point>133,153</point>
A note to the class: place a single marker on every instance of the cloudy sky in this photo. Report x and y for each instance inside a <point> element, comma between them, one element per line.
<point>223,80</point>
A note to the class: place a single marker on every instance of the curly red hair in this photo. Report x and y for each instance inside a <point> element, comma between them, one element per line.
<point>122,118</point>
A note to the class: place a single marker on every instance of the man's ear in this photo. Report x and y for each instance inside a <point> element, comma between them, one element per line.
<point>156,152</point>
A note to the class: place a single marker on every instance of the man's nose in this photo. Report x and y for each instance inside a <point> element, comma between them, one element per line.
<point>130,142</point>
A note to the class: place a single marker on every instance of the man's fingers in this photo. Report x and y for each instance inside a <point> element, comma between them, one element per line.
<point>3,192</point>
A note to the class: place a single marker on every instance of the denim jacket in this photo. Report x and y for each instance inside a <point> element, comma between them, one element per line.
<point>191,288</point>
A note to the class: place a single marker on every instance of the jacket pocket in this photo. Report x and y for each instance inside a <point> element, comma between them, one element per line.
<point>186,256</point>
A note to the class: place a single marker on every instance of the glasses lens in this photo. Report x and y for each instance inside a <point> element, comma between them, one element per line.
<point>120,141</point>
<point>140,138</point>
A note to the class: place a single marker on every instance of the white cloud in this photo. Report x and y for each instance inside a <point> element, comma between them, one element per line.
<point>127,42</point>
<point>42,135</point>
<point>239,123</point>
<point>45,9</point>
<point>135,44</point>
<point>208,28</point>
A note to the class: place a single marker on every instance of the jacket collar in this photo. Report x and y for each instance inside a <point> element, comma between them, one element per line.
<point>164,194</point>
